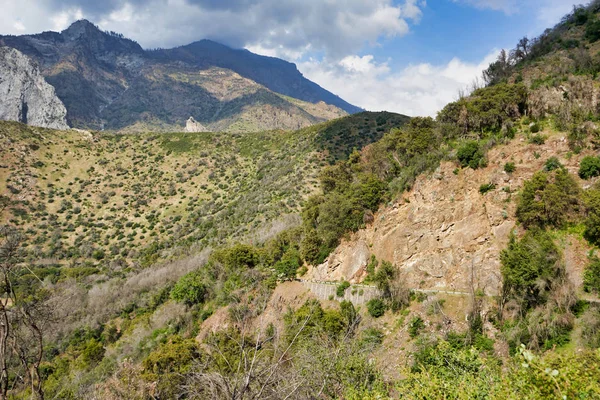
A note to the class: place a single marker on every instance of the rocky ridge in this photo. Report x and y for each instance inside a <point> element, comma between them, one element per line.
<point>108,82</point>
<point>25,96</point>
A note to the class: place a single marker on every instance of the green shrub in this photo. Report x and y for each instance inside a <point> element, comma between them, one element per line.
<point>535,128</point>
<point>167,365</point>
<point>190,289</point>
<point>548,199</point>
<point>509,167</point>
<point>341,288</point>
<point>537,139</point>
<point>470,155</point>
<point>527,263</point>
<point>592,31</point>
<point>589,167</point>
<point>552,163</point>
<point>590,326</point>
<point>372,336</point>
<point>376,307</point>
<point>486,187</point>
<point>591,276</point>
<point>289,263</point>
<point>98,254</point>
<point>486,109</point>
<point>592,219</point>
<point>92,353</point>
<point>415,326</point>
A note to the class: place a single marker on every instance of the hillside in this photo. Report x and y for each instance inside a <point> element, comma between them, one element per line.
<point>367,257</point>
<point>105,201</point>
<point>109,82</point>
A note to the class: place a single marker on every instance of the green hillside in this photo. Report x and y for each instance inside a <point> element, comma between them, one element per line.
<point>184,265</point>
<point>94,200</point>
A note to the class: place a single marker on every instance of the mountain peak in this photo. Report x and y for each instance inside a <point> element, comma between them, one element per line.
<point>80,28</point>
<point>81,24</point>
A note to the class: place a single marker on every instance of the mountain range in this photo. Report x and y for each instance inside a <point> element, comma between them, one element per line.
<point>107,81</point>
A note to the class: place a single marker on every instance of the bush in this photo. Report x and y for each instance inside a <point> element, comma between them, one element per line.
<point>535,128</point>
<point>167,365</point>
<point>376,307</point>
<point>190,289</point>
<point>372,336</point>
<point>592,220</point>
<point>592,31</point>
<point>537,139</point>
<point>509,167</point>
<point>591,276</point>
<point>552,163</point>
<point>486,187</point>
<point>589,167</point>
<point>92,353</point>
<point>548,199</point>
<point>98,254</point>
<point>289,263</point>
<point>470,155</point>
<point>415,326</point>
<point>341,288</point>
<point>527,263</point>
<point>590,323</point>
<point>487,109</point>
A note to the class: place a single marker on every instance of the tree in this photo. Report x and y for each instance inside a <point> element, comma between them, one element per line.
<point>190,289</point>
<point>522,50</point>
<point>23,315</point>
<point>529,266</point>
<point>548,199</point>
<point>498,71</point>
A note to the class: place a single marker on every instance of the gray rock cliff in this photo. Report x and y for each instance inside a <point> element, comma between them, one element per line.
<point>191,125</point>
<point>25,96</point>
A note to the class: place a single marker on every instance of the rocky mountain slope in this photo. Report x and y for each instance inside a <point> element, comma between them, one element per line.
<point>109,82</point>
<point>24,94</point>
<point>445,234</point>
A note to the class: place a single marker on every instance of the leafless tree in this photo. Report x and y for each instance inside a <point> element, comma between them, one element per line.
<point>301,364</point>
<point>23,317</point>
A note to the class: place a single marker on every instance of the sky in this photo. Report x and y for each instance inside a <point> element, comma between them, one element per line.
<point>406,56</point>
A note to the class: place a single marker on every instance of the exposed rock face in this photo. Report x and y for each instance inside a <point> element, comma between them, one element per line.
<point>191,125</point>
<point>24,94</point>
<point>444,233</point>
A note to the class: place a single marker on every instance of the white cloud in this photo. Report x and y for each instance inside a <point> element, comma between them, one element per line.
<point>332,27</point>
<point>420,89</point>
<point>551,11</point>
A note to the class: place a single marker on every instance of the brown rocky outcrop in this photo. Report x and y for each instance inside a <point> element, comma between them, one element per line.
<point>444,232</point>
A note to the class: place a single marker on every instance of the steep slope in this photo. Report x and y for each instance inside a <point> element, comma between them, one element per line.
<point>444,230</point>
<point>109,82</point>
<point>24,94</point>
<point>275,74</point>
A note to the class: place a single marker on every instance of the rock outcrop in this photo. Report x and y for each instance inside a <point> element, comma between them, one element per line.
<point>25,96</point>
<point>191,125</point>
<point>444,234</point>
